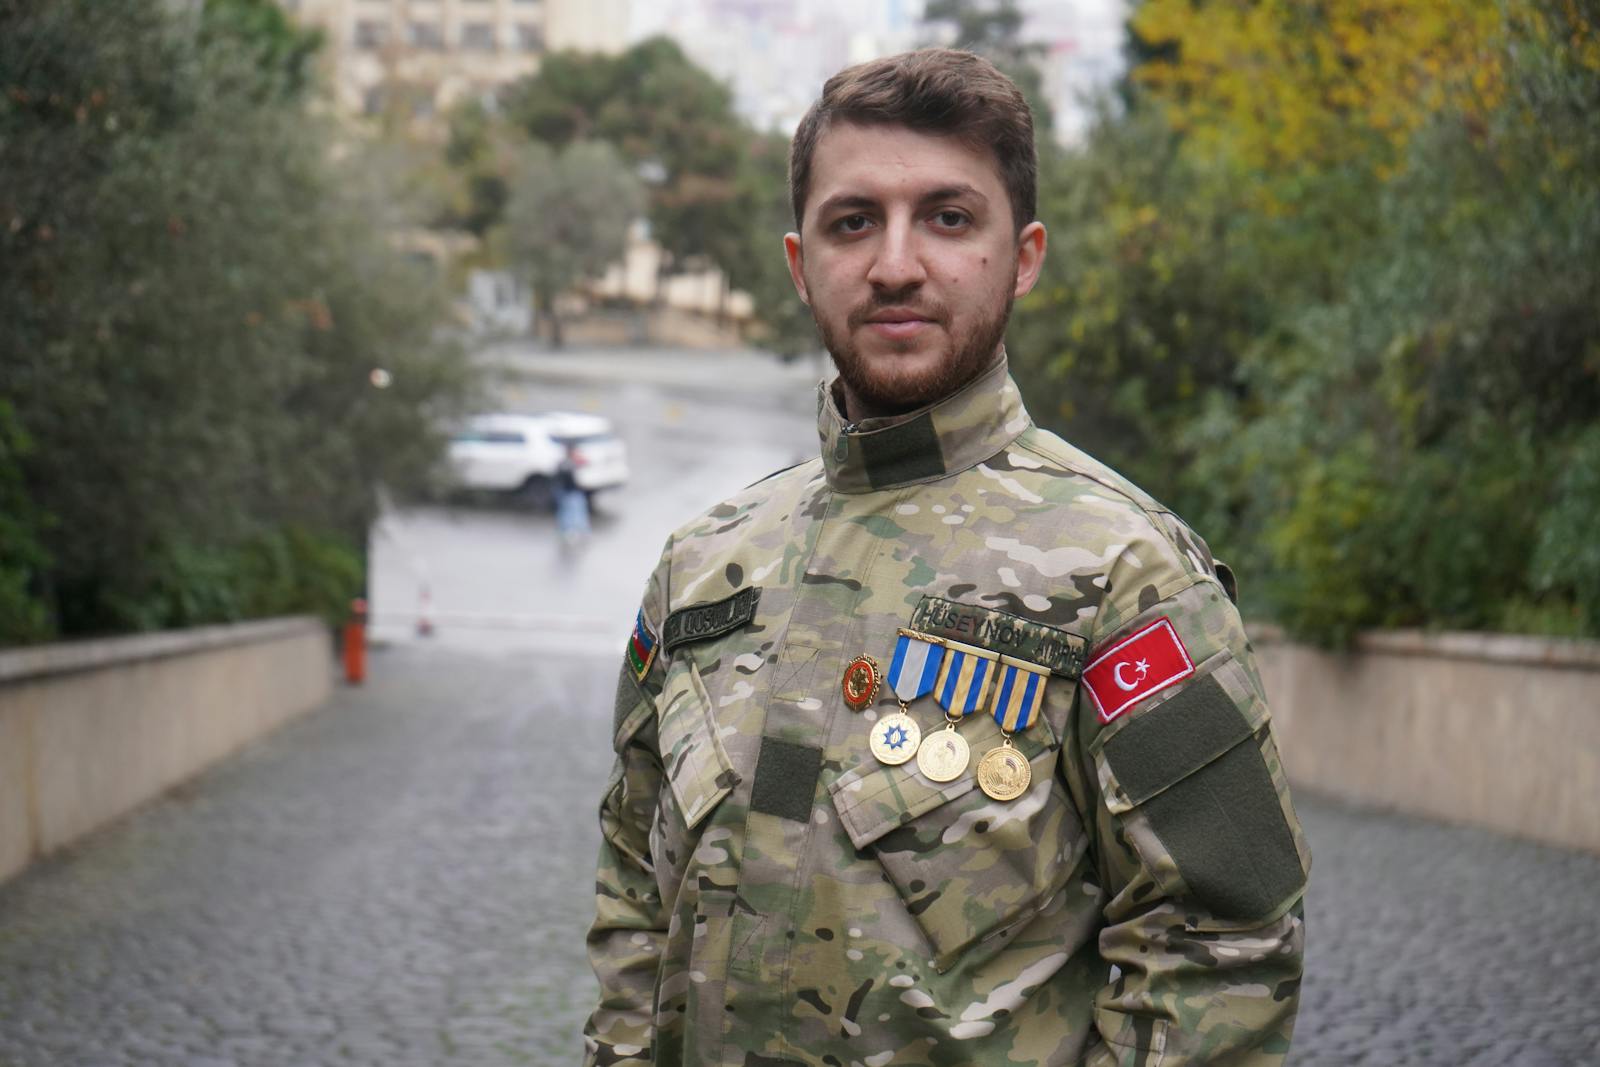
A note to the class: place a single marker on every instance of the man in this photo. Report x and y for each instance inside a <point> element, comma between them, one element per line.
<point>947,746</point>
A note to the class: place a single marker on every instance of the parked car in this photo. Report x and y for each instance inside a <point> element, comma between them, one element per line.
<point>522,453</point>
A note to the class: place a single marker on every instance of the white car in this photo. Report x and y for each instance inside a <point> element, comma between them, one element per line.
<point>511,453</point>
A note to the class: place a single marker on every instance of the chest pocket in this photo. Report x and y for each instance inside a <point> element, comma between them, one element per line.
<point>697,766</point>
<point>970,869</point>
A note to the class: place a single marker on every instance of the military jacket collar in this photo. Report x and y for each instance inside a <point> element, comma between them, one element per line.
<point>946,437</point>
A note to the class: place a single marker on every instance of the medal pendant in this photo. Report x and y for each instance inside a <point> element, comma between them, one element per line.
<point>943,756</point>
<point>1003,772</point>
<point>894,738</point>
<point>861,680</point>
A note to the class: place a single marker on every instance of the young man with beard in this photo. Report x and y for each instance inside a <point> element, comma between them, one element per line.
<point>945,747</point>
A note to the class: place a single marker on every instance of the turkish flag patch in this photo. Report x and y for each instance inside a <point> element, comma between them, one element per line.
<point>1140,664</point>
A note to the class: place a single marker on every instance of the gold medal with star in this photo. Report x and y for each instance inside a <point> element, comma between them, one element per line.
<point>895,738</point>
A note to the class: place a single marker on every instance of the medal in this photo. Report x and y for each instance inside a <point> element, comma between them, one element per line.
<point>1003,772</point>
<point>943,756</point>
<point>894,738</point>
<point>860,683</point>
<point>960,684</point>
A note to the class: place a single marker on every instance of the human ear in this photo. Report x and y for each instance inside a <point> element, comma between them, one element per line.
<point>1030,257</point>
<point>791,249</point>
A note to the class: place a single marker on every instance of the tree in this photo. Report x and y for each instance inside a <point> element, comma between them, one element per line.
<point>284,52</point>
<point>754,256</point>
<point>567,218</point>
<point>1327,286</point>
<point>1290,88</point>
<point>667,117</point>
<point>197,294</point>
<point>993,29</point>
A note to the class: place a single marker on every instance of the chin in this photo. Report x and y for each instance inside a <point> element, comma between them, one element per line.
<point>899,382</point>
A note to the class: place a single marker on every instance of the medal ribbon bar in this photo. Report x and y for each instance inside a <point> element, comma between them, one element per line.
<point>1018,693</point>
<point>915,666</point>
<point>964,678</point>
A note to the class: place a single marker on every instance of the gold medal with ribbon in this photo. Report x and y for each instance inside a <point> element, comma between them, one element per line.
<point>1003,772</point>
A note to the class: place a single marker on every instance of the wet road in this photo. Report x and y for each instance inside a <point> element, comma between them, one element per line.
<point>495,575</point>
<point>403,877</point>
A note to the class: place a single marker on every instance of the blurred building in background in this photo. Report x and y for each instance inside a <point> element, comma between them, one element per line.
<point>420,57</point>
<point>775,54</point>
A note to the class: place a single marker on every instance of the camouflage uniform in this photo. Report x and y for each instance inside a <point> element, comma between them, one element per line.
<point>769,893</point>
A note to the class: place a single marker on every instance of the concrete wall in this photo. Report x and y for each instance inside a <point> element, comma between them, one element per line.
<point>1494,730</point>
<point>92,729</point>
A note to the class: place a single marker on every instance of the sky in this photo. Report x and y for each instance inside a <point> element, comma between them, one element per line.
<point>777,53</point>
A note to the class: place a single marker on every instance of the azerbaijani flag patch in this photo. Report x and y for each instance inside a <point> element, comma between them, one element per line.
<point>1140,664</point>
<point>641,648</point>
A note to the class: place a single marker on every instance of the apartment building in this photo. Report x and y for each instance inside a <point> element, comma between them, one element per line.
<point>419,57</point>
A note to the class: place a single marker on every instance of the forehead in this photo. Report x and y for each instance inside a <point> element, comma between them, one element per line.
<point>888,163</point>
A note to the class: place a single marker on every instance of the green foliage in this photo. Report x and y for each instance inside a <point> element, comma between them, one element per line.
<point>567,217</point>
<point>715,190</point>
<point>284,51</point>
<point>24,616</point>
<point>1566,557</point>
<point>755,260</point>
<point>665,116</point>
<point>198,289</point>
<point>1371,378</point>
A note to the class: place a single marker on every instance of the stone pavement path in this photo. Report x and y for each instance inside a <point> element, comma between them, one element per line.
<point>404,878</point>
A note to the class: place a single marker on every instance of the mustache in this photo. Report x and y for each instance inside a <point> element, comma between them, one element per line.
<point>931,310</point>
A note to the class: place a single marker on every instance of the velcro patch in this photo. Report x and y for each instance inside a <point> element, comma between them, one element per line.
<point>786,779</point>
<point>1139,665</point>
<point>699,622</point>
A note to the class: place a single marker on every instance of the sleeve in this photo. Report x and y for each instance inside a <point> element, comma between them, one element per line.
<point>630,925</point>
<point>1199,850</point>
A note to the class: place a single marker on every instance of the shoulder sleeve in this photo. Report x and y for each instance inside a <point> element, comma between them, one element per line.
<point>1197,841</point>
<point>630,925</point>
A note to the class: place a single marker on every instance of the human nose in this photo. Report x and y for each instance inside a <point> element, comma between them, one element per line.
<point>897,262</point>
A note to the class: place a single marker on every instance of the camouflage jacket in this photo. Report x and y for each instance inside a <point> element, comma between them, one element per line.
<point>770,893</point>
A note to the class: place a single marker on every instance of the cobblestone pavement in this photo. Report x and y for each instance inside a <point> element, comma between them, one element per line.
<point>404,878</point>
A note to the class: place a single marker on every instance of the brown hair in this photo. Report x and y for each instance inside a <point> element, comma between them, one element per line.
<point>939,91</point>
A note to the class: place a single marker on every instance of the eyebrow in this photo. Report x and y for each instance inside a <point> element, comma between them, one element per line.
<point>849,201</point>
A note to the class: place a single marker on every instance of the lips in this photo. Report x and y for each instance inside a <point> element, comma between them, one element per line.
<point>897,316</point>
<point>897,328</point>
<point>897,323</point>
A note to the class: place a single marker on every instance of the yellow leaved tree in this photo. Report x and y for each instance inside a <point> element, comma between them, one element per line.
<point>1290,88</point>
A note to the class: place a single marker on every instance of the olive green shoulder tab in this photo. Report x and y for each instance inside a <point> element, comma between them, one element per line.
<point>700,622</point>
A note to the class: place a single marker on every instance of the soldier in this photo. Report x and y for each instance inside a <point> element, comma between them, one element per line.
<point>947,746</point>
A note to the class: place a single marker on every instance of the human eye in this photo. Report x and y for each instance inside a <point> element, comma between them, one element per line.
<point>852,224</point>
<point>951,218</point>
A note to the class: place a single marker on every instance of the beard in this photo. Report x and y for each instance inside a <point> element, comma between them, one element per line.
<point>887,385</point>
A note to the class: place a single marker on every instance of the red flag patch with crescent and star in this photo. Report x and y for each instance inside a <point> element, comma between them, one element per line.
<point>1140,664</point>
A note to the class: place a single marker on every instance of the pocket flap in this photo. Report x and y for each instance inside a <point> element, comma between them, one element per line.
<point>874,798</point>
<point>697,766</point>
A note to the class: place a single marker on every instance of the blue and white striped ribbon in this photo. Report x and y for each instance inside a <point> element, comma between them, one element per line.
<point>915,666</point>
